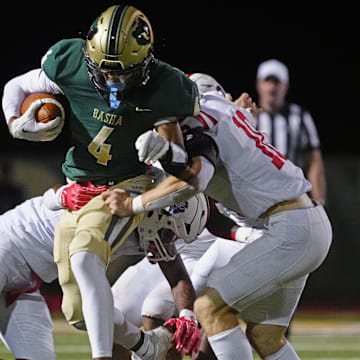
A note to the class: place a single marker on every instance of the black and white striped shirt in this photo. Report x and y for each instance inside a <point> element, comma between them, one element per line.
<point>291,130</point>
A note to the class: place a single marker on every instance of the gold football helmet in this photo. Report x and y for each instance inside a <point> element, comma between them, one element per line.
<point>119,43</point>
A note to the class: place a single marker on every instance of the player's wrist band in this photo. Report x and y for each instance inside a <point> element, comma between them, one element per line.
<point>187,314</point>
<point>241,234</point>
<point>137,205</point>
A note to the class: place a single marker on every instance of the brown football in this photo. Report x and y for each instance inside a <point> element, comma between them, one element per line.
<point>47,112</point>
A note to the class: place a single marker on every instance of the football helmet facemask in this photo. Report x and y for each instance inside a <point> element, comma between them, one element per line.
<point>119,44</point>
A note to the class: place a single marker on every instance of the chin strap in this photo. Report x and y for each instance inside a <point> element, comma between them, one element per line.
<point>115,88</point>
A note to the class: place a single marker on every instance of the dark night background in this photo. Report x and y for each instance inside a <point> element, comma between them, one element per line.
<point>320,48</point>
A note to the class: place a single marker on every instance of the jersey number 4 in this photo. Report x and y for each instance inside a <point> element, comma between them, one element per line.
<point>241,122</point>
<point>98,148</point>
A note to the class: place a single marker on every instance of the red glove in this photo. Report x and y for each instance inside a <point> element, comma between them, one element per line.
<point>187,334</point>
<point>75,196</point>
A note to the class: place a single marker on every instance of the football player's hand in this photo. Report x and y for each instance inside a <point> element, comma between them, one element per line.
<point>73,196</point>
<point>245,101</point>
<point>151,146</point>
<point>119,202</point>
<point>26,127</point>
<point>186,331</point>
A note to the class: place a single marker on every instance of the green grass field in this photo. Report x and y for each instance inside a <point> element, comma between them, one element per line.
<point>324,336</point>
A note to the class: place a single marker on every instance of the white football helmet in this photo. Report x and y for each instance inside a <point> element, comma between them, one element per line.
<point>206,83</point>
<point>160,228</point>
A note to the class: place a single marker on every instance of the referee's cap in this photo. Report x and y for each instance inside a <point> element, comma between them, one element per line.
<point>206,83</point>
<point>273,68</point>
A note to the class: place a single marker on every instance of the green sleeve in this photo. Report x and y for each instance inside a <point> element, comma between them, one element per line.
<point>63,60</point>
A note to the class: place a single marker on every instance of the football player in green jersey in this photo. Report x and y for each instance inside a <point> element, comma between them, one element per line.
<point>116,90</point>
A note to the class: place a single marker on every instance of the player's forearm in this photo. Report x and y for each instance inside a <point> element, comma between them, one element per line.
<point>170,191</point>
<point>316,175</point>
<point>172,133</point>
<point>180,283</point>
<point>184,295</point>
<point>174,190</point>
<point>19,87</point>
<point>13,97</point>
<point>15,92</point>
<point>219,224</point>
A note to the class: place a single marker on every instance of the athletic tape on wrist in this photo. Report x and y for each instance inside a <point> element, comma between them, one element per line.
<point>187,314</point>
<point>137,205</point>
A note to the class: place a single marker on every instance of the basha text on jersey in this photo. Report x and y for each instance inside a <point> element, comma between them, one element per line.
<point>107,118</point>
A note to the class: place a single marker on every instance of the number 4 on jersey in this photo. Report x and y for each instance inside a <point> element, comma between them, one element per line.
<point>98,148</point>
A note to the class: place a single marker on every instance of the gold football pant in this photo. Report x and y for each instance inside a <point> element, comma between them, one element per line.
<point>92,228</point>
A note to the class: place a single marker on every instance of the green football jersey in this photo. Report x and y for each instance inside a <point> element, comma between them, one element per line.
<point>104,138</point>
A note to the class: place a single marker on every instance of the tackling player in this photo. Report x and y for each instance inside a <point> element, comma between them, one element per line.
<point>116,90</point>
<point>26,254</point>
<point>207,252</point>
<point>234,165</point>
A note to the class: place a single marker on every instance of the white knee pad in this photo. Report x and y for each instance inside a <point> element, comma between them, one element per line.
<point>159,304</point>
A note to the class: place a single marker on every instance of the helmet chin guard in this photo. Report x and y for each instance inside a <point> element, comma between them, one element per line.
<point>160,228</point>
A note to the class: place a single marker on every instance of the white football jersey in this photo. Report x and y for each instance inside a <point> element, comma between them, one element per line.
<point>30,226</point>
<point>198,247</point>
<point>251,175</point>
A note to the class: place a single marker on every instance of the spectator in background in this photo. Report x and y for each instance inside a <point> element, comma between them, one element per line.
<point>288,126</point>
<point>11,194</point>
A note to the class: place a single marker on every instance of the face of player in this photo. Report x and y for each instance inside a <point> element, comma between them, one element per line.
<point>272,93</point>
<point>118,79</point>
<point>115,78</point>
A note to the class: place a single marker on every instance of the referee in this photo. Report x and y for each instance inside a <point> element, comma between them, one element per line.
<point>288,126</point>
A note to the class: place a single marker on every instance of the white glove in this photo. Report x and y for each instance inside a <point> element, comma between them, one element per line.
<point>151,146</point>
<point>26,127</point>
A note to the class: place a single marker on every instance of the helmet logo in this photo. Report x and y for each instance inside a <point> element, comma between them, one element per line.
<point>141,32</point>
<point>93,30</point>
<point>179,208</point>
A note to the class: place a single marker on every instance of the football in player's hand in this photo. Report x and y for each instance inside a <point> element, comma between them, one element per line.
<point>48,110</point>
